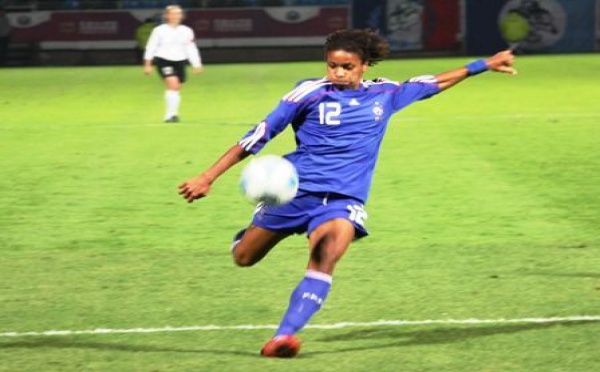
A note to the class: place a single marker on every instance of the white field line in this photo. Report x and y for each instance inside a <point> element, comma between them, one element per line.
<point>379,323</point>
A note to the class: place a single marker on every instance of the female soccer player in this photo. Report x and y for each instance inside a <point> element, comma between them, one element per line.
<point>339,122</point>
<point>171,45</point>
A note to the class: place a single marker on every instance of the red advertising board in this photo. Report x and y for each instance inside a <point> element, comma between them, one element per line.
<point>442,22</point>
<point>229,27</point>
<point>268,22</point>
<point>72,26</point>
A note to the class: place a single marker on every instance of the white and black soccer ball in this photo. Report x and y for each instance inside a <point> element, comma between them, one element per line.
<point>269,179</point>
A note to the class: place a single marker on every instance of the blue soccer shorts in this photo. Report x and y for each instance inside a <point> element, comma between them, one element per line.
<point>309,210</point>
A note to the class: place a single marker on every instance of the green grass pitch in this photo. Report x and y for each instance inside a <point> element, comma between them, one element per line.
<point>485,204</point>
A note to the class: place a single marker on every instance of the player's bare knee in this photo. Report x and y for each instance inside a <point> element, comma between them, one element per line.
<point>243,260</point>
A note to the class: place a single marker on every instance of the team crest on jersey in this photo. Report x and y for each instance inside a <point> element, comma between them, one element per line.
<point>378,111</point>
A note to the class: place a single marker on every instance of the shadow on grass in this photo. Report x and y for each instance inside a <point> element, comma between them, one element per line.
<point>73,343</point>
<point>401,338</point>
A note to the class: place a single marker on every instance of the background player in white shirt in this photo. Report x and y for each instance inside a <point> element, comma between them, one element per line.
<point>171,46</point>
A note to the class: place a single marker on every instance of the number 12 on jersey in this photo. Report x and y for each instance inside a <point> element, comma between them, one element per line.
<point>329,113</point>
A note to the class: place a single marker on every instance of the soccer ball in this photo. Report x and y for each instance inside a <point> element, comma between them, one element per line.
<point>269,179</point>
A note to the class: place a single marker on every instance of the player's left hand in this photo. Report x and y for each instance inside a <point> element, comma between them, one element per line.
<point>502,62</point>
<point>198,70</point>
<point>196,188</point>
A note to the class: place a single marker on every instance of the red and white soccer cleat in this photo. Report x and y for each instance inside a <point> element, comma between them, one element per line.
<point>284,346</point>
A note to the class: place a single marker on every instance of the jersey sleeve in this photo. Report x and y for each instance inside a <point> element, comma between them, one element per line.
<point>269,128</point>
<point>415,89</point>
<point>151,45</point>
<point>192,52</point>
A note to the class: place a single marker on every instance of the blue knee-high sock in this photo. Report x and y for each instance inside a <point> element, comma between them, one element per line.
<point>306,300</point>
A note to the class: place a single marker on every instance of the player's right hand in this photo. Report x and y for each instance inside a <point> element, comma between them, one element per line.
<point>147,70</point>
<point>502,62</point>
<point>195,188</point>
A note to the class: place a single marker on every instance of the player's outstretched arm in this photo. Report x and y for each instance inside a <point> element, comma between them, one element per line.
<point>499,62</point>
<point>199,186</point>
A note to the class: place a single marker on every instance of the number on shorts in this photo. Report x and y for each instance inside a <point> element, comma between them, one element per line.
<point>167,70</point>
<point>357,213</point>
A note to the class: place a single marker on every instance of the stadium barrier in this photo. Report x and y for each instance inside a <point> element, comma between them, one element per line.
<point>258,34</point>
<point>225,35</point>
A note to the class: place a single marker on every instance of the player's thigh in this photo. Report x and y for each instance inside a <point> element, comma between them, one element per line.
<point>328,243</point>
<point>180,71</point>
<point>255,244</point>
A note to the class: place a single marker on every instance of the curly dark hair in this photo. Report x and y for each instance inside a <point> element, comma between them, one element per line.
<point>367,44</point>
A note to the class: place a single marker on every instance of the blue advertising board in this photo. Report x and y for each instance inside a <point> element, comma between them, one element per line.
<point>411,24</point>
<point>535,26</point>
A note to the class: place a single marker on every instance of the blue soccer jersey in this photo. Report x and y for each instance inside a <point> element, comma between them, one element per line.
<point>338,132</point>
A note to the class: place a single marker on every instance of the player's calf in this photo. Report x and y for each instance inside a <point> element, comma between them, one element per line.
<point>329,243</point>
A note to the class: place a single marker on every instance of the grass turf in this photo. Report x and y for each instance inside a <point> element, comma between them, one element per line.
<point>485,204</point>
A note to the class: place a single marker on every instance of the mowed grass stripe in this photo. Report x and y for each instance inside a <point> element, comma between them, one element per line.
<point>485,204</point>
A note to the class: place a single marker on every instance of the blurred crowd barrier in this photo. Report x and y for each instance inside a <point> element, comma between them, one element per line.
<point>153,4</point>
<point>230,27</point>
<point>412,26</point>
